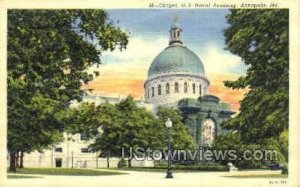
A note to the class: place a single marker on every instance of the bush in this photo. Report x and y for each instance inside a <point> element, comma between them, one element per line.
<point>207,167</point>
<point>160,163</point>
<point>203,167</point>
<point>122,163</point>
<point>285,169</point>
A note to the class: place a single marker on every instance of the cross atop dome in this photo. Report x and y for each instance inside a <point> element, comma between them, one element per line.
<point>175,32</point>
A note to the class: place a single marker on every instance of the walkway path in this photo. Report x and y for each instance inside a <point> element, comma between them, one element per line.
<point>144,179</point>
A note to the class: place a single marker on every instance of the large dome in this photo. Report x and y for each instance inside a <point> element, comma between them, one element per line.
<point>176,73</point>
<point>176,58</point>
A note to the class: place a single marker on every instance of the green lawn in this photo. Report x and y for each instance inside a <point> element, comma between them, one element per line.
<point>260,176</point>
<point>162,170</point>
<point>11,176</point>
<point>65,171</point>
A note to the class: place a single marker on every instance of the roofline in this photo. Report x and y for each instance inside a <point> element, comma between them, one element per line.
<point>202,76</point>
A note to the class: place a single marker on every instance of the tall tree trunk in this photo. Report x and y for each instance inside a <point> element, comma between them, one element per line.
<point>12,164</point>
<point>21,160</point>
<point>129,162</point>
<point>107,158</point>
<point>17,159</point>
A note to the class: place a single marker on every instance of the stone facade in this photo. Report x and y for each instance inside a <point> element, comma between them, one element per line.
<point>203,117</point>
<point>161,90</point>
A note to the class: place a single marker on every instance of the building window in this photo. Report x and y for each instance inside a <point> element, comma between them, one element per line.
<point>185,87</point>
<point>58,150</point>
<point>159,89</point>
<point>84,150</point>
<point>194,88</point>
<point>176,87</point>
<point>208,132</point>
<point>167,88</point>
<point>83,137</point>
<point>200,89</point>
<point>152,91</point>
<point>58,162</point>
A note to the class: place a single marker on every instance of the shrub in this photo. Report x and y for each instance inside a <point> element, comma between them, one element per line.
<point>202,167</point>
<point>122,163</point>
<point>285,169</point>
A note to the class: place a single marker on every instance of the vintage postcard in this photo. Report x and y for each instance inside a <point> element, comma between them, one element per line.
<point>149,93</point>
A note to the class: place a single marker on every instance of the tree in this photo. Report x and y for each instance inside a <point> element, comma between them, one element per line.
<point>126,125</point>
<point>49,52</point>
<point>260,38</point>
<point>181,139</point>
<point>77,117</point>
<point>136,123</point>
<point>232,141</point>
<point>107,142</point>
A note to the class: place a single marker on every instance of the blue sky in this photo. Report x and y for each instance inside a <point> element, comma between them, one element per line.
<point>200,27</point>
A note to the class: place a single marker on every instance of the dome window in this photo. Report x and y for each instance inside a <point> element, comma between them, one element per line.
<point>200,89</point>
<point>176,87</point>
<point>159,89</point>
<point>194,88</point>
<point>167,88</point>
<point>185,88</point>
<point>152,91</point>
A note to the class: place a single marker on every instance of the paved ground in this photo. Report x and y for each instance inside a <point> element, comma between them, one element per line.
<point>145,179</point>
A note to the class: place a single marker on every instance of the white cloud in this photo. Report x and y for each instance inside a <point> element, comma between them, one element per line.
<point>136,59</point>
<point>216,60</point>
<point>138,49</point>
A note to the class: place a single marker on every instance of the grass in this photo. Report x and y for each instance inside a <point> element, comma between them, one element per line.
<point>162,169</point>
<point>260,176</point>
<point>65,171</point>
<point>10,176</point>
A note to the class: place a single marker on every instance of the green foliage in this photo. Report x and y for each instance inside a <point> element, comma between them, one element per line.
<point>232,141</point>
<point>284,144</point>
<point>122,163</point>
<point>260,38</point>
<point>65,171</point>
<point>181,168</point>
<point>285,169</point>
<point>125,125</point>
<point>181,139</point>
<point>77,118</point>
<point>49,52</point>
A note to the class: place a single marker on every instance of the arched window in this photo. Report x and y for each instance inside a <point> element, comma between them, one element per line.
<point>194,88</point>
<point>159,89</point>
<point>185,87</point>
<point>208,132</point>
<point>167,88</point>
<point>200,89</point>
<point>178,33</point>
<point>152,91</point>
<point>176,87</point>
